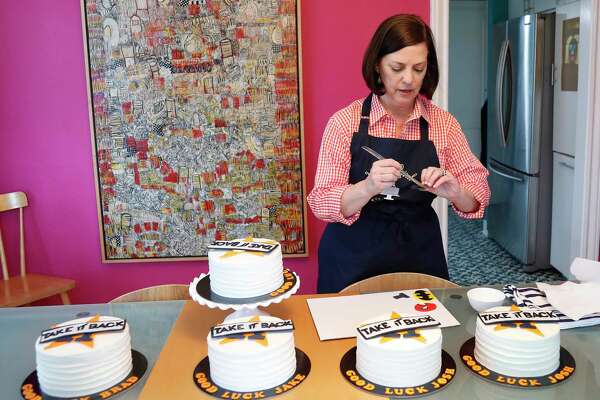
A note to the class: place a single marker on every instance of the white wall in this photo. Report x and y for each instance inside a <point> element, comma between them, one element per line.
<point>467,67</point>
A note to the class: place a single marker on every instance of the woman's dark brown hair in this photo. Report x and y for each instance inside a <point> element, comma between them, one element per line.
<point>393,34</point>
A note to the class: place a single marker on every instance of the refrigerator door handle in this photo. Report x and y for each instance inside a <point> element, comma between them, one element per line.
<point>566,164</point>
<point>499,91</point>
<point>512,178</point>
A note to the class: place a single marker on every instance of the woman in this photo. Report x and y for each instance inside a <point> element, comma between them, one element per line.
<point>379,220</point>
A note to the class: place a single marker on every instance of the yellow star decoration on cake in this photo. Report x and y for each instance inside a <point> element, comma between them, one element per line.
<point>528,326</point>
<point>249,239</point>
<point>86,339</point>
<point>258,337</point>
<point>406,334</point>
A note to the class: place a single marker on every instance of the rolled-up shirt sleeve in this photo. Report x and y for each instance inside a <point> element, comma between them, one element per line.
<point>467,169</point>
<point>331,179</point>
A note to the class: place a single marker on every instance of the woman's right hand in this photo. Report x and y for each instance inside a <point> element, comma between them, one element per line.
<point>383,174</point>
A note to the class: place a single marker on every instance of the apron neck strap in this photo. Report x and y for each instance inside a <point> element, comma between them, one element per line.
<point>424,128</point>
<point>365,115</point>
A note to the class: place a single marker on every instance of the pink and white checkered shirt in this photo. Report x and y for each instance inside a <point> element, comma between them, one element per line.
<point>444,130</point>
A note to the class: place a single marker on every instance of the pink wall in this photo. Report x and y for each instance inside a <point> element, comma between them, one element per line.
<point>45,147</point>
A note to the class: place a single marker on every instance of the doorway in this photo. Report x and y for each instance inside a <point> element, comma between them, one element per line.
<point>473,258</point>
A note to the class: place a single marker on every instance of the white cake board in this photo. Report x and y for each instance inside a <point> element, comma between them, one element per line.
<point>252,306</point>
<point>338,317</point>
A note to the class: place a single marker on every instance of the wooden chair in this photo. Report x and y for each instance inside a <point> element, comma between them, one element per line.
<point>397,281</point>
<point>156,293</point>
<point>26,288</point>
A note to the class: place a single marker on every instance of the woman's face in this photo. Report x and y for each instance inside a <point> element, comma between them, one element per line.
<point>402,74</point>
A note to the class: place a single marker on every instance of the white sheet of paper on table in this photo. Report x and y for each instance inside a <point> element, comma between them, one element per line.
<point>338,317</point>
<point>575,300</point>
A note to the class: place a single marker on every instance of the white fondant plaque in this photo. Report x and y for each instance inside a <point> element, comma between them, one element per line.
<point>491,318</point>
<point>52,334</point>
<point>241,245</point>
<point>251,327</point>
<point>379,328</point>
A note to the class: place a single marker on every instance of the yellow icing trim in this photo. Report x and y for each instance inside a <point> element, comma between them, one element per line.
<point>87,343</point>
<point>262,341</point>
<point>532,326</point>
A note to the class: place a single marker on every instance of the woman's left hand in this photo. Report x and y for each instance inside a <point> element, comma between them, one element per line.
<point>440,182</point>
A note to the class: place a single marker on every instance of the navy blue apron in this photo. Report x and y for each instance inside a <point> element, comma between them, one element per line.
<point>398,233</point>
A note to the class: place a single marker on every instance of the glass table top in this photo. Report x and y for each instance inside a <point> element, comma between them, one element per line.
<point>151,323</point>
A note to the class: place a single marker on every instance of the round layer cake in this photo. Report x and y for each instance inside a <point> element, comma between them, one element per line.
<point>252,361</point>
<point>243,273</point>
<point>400,359</point>
<point>518,349</point>
<point>83,364</point>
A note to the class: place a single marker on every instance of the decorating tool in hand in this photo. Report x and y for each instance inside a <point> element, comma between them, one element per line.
<point>403,173</point>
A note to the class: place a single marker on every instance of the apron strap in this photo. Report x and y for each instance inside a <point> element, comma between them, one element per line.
<point>365,115</point>
<point>424,128</point>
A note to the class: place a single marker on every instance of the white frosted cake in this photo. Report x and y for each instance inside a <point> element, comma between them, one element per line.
<point>244,273</point>
<point>252,361</point>
<point>518,349</point>
<point>86,363</point>
<point>400,359</point>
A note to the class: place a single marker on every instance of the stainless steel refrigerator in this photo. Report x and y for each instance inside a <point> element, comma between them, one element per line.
<point>519,138</point>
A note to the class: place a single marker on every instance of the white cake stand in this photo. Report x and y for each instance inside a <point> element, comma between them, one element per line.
<point>242,307</point>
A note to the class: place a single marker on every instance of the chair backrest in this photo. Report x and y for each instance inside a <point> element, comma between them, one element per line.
<point>12,201</point>
<point>156,293</point>
<point>397,281</point>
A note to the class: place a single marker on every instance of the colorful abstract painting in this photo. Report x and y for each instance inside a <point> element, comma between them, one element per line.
<point>195,113</point>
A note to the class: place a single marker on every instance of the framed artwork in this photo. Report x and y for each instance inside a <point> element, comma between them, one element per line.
<point>196,122</point>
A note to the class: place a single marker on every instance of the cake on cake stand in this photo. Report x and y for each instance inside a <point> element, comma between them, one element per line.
<point>200,292</point>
